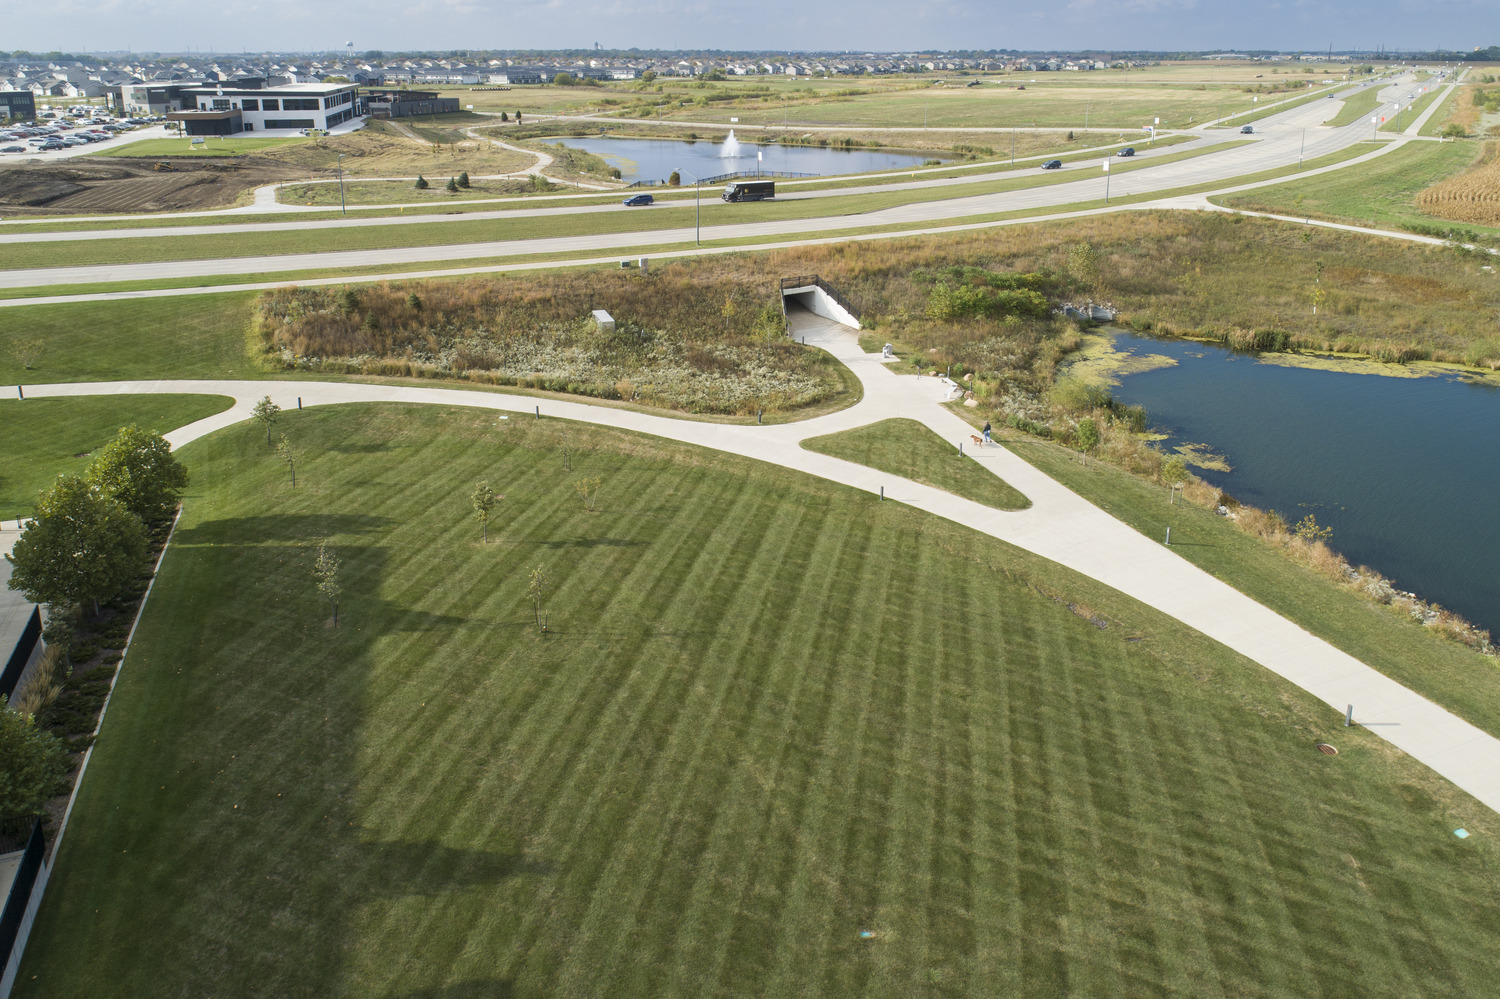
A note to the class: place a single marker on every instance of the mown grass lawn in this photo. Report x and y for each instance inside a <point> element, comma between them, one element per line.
<point>189,337</point>
<point>782,739</point>
<point>1460,679</point>
<point>214,146</point>
<point>1379,193</point>
<point>907,448</point>
<point>45,438</point>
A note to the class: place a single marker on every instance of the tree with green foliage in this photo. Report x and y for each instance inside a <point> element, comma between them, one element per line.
<point>1310,531</point>
<point>287,453</point>
<point>326,573</point>
<point>452,185</point>
<point>483,500</point>
<point>266,412</point>
<point>1087,436</point>
<point>421,183</point>
<point>1453,131</point>
<point>138,469</point>
<point>79,546</point>
<point>564,80</point>
<point>463,179</point>
<point>588,491</point>
<point>675,180</point>
<point>414,302</point>
<point>33,767</point>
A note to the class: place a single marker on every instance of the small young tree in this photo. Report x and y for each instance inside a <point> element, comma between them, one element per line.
<point>728,310</point>
<point>588,491</point>
<point>675,179</point>
<point>28,350</point>
<point>421,183</point>
<point>348,301</point>
<point>288,454</point>
<point>537,589</point>
<point>518,117</point>
<point>483,500</point>
<point>137,468</point>
<point>79,546</point>
<point>33,766</point>
<point>414,302</point>
<point>504,116</point>
<point>463,179</point>
<point>326,573</point>
<point>266,412</point>
<point>452,184</point>
<point>1309,530</point>
<point>1088,436</point>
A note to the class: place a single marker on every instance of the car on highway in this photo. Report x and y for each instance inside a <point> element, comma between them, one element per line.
<point>636,200</point>
<point>1127,151</point>
<point>1052,165</point>
<point>1247,129</point>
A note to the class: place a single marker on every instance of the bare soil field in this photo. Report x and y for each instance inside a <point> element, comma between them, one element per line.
<point>83,186</point>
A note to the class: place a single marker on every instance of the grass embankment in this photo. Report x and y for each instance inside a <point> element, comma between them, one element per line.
<point>1356,107</point>
<point>910,450</point>
<point>781,739</point>
<point>1453,675</point>
<point>1446,113</point>
<point>148,338</point>
<point>45,438</point>
<point>1383,193</point>
<point>680,212</point>
<point>214,146</point>
<point>397,192</point>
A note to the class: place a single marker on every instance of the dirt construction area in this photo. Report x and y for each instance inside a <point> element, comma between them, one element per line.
<point>83,186</point>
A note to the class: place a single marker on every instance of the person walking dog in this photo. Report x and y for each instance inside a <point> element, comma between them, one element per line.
<point>987,432</point>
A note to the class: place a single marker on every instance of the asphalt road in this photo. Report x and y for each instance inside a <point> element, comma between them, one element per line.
<point>1280,140</point>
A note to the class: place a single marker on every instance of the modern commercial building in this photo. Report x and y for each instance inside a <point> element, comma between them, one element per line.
<point>227,109</point>
<point>405,103</point>
<point>18,104</point>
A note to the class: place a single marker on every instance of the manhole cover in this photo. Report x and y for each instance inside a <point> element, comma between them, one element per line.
<point>1327,750</point>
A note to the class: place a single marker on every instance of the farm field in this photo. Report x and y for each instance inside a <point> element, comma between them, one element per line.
<point>780,739</point>
<point>1472,197</point>
<point>1386,192</point>
<point>49,437</point>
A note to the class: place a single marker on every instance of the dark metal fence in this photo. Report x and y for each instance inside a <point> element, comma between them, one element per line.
<point>737,175</point>
<point>20,892</point>
<point>812,279</point>
<point>22,654</point>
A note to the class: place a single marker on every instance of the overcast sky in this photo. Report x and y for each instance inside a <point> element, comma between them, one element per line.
<point>862,25</point>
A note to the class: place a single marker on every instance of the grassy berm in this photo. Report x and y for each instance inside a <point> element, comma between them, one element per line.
<point>782,739</point>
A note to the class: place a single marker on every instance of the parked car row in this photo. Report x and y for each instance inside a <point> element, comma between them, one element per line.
<point>51,132</point>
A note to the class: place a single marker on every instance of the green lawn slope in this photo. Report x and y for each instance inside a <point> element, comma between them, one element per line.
<point>782,739</point>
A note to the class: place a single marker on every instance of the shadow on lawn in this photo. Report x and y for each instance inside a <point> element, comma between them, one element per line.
<point>277,527</point>
<point>492,988</point>
<point>431,868</point>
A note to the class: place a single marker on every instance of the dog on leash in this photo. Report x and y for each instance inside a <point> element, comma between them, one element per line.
<point>977,439</point>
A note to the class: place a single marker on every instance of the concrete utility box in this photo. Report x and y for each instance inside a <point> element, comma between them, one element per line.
<point>604,320</point>
<point>645,267</point>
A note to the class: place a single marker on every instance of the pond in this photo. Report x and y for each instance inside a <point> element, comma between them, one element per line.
<point>1405,470</point>
<point>655,159</point>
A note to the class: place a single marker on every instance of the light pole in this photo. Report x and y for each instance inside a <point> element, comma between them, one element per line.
<point>343,209</point>
<point>1013,145</point>
<point>697,210</point>
<point>1303,150</point>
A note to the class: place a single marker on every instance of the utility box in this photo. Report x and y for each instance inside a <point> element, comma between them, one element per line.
<point>604,320</point>
<point>645,267</point>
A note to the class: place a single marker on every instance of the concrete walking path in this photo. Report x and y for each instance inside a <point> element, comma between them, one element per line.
<point>1059,525</point>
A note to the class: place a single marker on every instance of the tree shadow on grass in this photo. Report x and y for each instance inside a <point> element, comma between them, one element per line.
<point>433,869</point>
<point>278,527</point>
<point>491,988</point>
<point>587,543</point>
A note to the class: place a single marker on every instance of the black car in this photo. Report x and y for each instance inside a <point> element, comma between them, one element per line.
<point>639,199</point>
<point>1052,165</point>
<point>1127,151</point>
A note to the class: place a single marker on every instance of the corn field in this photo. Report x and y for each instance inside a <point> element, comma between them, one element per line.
<point>1473,196</point>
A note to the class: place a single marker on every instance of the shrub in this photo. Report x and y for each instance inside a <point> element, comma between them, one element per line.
<point>421,183</point>
<point>463,179</point>
<point>452,184</point>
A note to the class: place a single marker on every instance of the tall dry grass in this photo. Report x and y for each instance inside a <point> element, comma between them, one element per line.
<point>1473,196</point>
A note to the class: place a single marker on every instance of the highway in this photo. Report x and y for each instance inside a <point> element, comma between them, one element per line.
<point>1279,141</point>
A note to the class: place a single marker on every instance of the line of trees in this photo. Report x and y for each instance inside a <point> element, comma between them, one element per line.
<point>86,541</point>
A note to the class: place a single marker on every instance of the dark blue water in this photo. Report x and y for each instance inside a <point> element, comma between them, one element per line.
<point>655,159</point>
<point>1405,470</point>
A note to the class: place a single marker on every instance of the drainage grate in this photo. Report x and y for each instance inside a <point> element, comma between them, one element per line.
<point>1327,750</point>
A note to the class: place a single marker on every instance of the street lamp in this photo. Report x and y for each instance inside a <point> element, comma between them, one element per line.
<point>342,208</point>
<point>697,210</point>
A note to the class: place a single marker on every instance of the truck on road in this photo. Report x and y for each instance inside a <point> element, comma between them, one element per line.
<point>749,190</point>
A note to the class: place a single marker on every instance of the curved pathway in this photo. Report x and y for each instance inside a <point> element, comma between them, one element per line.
<point>1060,525</point>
